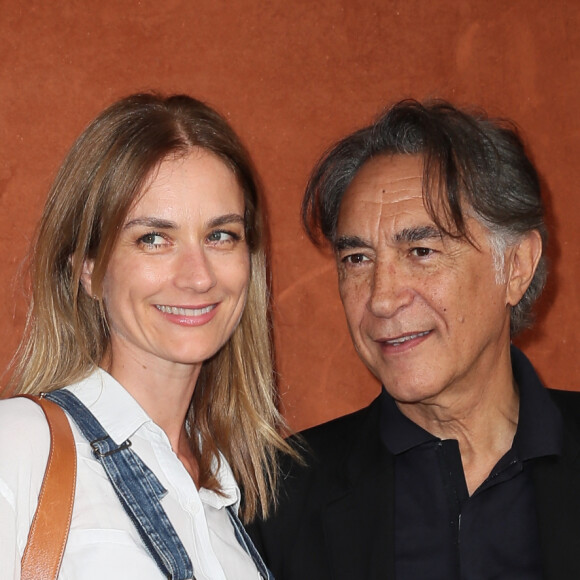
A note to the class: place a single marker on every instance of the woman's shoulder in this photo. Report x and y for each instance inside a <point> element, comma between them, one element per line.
<point>22,415</point>
<point>24,447</point>
<point>24,440</point>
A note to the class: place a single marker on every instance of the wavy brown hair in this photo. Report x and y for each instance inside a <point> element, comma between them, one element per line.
<point>233,410</point>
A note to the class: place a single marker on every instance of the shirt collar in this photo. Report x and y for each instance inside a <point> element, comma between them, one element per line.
<point>122,416</point>
<point>540,426</point>
<point>399,434</point>
<point>230,491</point>
<point>115,409</point>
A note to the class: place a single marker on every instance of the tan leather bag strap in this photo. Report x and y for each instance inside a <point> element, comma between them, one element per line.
<point>49,530</point>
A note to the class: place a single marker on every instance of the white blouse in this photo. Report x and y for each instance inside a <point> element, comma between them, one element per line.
<point>103,543</point>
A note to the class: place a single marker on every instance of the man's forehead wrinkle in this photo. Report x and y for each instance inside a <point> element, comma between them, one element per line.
<point>401,187</point>
<point>392,196</point>
<point>392,220</point>
<point>385,205</point>
<point>396,180</point>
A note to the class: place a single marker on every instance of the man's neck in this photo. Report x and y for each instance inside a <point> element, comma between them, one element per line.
<point>482,420</point>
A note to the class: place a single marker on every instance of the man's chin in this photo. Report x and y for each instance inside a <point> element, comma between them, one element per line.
<point>411,390</point>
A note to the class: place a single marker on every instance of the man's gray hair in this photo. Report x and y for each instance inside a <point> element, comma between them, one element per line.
<point>472,166</point>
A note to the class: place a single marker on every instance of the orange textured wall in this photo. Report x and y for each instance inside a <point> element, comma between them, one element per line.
<point>292,76</point>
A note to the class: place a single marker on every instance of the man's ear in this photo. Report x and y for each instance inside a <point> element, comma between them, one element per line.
<point>523,261</point>
<point>87,276</point>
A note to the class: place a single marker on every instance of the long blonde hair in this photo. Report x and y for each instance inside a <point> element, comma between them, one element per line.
<point>233,410</point>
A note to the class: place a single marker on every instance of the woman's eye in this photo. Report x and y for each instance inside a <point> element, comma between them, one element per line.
<point>222,236</point>
<point>152,239</point>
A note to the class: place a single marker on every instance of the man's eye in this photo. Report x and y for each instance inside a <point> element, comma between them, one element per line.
<point>152,239</point>
<point>422,252</point>
<point>355,259</point>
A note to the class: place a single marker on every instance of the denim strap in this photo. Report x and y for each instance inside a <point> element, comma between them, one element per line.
<point>137,487</point>
<point>246,543</point>
<point>140,493</point>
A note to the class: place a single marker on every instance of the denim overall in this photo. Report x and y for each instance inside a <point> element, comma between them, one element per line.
<point>140,493</point>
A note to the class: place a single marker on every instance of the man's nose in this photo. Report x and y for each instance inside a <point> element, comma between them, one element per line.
<point>390,289</point>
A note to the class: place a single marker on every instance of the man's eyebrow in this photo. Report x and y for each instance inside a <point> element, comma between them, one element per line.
<point>350,242</point>
<point>418,234</point>
<point>406,235</point>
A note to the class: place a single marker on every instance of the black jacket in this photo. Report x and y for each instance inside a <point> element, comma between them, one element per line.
<point>335,520</point>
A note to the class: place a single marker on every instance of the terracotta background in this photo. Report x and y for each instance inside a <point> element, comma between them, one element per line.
<point>292,76</point>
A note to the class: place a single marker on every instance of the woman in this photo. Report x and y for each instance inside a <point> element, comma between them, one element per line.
<point>150,306</point>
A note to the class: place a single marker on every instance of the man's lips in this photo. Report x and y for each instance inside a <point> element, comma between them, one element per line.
<point>184,311</point>
<point>402,339</point>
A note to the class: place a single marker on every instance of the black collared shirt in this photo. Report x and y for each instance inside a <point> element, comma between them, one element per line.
<point>443,533</point>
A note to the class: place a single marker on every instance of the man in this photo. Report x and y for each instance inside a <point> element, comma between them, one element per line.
<point>464,466</point>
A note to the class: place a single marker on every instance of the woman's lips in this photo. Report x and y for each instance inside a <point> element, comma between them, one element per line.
<point>188,315</point>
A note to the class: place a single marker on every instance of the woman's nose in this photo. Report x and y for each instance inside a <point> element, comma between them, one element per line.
<point>194,270</point>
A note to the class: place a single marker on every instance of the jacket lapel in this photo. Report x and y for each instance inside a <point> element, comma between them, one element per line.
<point>358,520</point>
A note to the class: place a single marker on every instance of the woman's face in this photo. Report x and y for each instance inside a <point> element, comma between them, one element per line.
<point>176,284</point>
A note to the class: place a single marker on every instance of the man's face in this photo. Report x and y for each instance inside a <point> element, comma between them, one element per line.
<point>426,311</point>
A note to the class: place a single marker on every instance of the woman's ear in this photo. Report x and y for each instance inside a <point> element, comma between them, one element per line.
<point>87,276</point>
<point>523,261</point>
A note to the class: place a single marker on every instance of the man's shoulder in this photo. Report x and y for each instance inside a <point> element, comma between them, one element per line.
<point>569,404</point>
<point>565,398</point>
<point>308,484</point>
<point>325,451</point>
<point>329,441</point>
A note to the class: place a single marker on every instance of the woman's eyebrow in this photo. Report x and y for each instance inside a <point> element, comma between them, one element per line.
<point>151,222</point>
<point>230,218</point>
<point>163,224</point>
